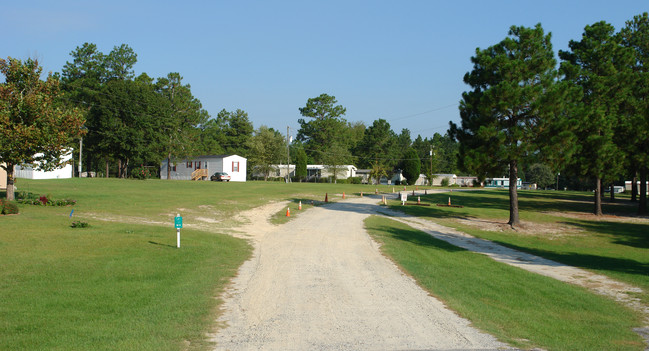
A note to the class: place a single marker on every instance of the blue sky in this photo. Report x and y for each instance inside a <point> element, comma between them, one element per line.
<point>398,60</point>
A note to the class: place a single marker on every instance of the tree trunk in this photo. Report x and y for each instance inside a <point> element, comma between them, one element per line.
<point>598,197</point>
<point>634,188</point>
<point>169,166</point>
<point>513,195</point>
<point>107,169</point>
<point>119,168</point>
<point>642,204</point>
<point>612,192</point>
<point>10,182</point>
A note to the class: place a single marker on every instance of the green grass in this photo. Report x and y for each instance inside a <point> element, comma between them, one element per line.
<point>120,284</point>
<point>110,286</point>
<point>617,249</point>
<point>520,308</point>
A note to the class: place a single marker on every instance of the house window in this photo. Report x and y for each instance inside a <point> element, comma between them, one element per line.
<point>189,164</point>
<point>174,167</point>
<point>235,166</point>
<point>198,164</point>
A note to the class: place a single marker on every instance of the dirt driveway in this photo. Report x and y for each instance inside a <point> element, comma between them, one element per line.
<point>320,283</point>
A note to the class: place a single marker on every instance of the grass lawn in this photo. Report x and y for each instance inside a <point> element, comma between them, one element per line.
<point>521,308</point>
<point>614,247</point>
<point>122,284</point>
<point>111,286</point>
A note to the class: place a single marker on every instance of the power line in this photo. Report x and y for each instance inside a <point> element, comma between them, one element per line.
<point>423,113</point>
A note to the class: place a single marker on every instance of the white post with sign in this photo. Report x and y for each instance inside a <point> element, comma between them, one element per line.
<point>178,223</point>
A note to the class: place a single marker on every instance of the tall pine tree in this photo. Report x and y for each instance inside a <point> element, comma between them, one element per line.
<point>514,91</point>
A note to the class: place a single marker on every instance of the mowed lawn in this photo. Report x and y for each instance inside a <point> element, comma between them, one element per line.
<point>557,226</point>
<point>122,284</point>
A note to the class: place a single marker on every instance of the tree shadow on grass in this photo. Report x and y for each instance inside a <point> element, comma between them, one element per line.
<point>593,262</point>
<point>628,234</point>
<point>412,236</point>
<point>160,244</point>
<point>529,201</point>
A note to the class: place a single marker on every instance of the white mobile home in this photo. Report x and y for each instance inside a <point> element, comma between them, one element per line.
<point>60,173</point>
<point>3,178</point>
<point>501,183</point>
<point>202,167</point>
<point>322,171</point>
<point>439,177</point>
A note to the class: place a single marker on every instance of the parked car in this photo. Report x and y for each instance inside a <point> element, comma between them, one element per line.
<point>220,177</point>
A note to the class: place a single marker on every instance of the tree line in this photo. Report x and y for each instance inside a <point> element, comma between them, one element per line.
<point>126,121</point>
<point>586,117</point>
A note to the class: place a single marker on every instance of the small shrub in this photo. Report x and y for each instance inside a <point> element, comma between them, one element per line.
<point>8,207</point>
<point>80,224</point>
<point>43,200</point>
<point>445,182</point>
<point>141,173</point>
<point>355,180</point>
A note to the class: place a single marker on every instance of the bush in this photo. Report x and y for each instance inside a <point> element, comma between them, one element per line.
<point>444,182</point>
<point>8,207</point>
<point>79,224</point>
<point>355,180</point>
<point>141,173</point>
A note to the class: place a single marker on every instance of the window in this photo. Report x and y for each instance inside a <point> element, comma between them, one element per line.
<point>198,164</point>
<point>235,166</point>
<point>189,164</point>
<point>174,167</point>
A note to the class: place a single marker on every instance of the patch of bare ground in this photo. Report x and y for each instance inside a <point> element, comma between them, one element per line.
<point>247,224</point>
<point>547,230</point>
<point>605,217</point>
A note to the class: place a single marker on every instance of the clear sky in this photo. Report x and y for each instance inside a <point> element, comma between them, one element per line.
<point>399,60</point>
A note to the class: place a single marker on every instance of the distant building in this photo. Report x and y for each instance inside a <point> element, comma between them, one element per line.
<point>501,183</point>
<point>628,186</point>
<point>279,171</point>
<point>322,171</point>
<point>364,174</point>
<point>467,181</point>
<point>28,172</point>
<point>3,177</point>
<point>202,167</point>
<point>439,177</point>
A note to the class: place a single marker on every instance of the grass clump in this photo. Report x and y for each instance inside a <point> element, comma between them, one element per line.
<point>521,308</point>
<point>8,207</point>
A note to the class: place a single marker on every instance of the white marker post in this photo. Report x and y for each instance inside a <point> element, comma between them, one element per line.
<point>178,223</point>
<point>404,198</point>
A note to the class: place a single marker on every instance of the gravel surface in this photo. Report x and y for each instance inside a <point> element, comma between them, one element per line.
<point>320,283</point>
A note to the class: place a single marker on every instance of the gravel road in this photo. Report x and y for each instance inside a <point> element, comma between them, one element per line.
<point>320,283</point>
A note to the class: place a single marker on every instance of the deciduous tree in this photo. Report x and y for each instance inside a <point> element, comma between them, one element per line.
<point>35,125</point>
<point>266,148</point>
<point>411,166</point>
<point>326,129</point>
<point>186,114</point>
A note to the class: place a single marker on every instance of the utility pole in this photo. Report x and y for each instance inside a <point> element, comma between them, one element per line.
<point>288,157</point>
<point>431,166</point>
<point>80,154</point>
